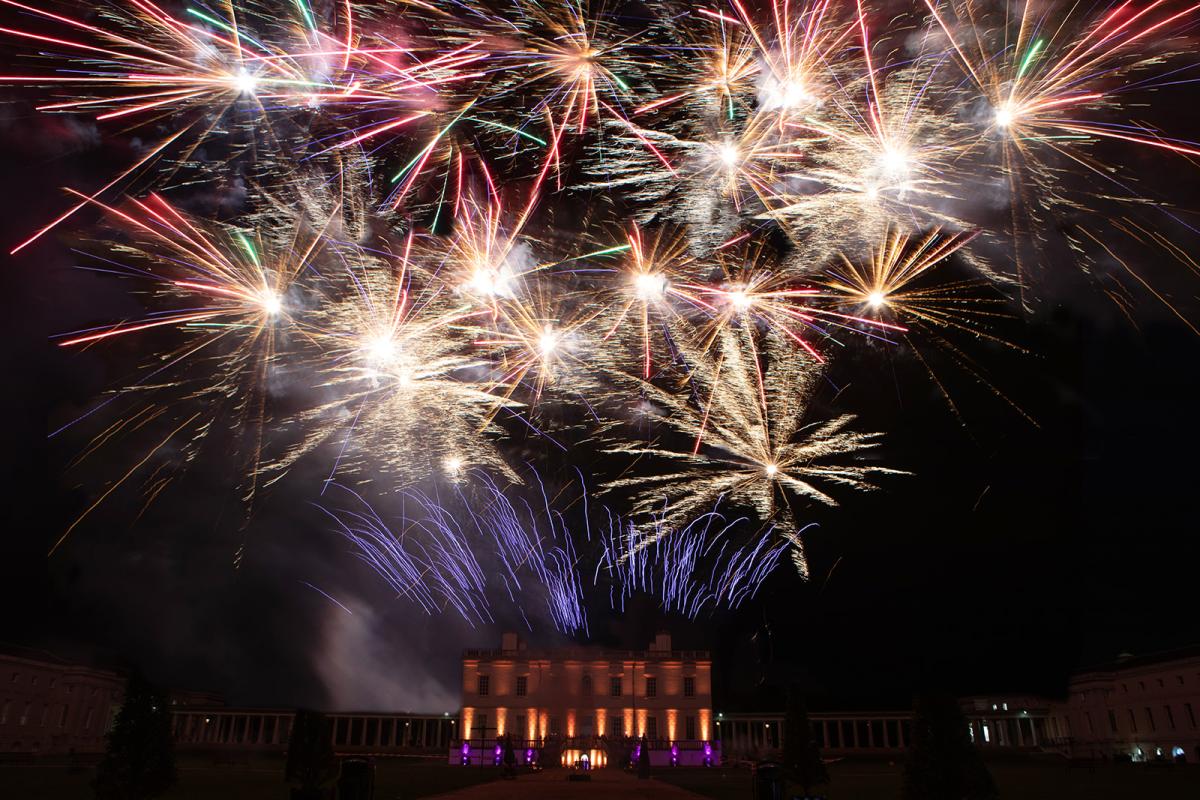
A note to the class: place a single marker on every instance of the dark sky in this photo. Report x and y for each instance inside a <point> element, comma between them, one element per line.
<point>1015,553</point>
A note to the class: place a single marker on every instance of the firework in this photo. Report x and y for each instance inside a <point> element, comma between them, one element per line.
<point>691,569</point>
<point>473,229</point>
<point>395,354</point>
<point>753,443</point>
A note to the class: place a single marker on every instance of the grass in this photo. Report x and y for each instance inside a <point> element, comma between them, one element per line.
<point>259,779</point>
<point>1024,779</point>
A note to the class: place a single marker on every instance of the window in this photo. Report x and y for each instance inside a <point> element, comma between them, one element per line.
<point>485,684</point>
<point>614,687</point>
<point>522,685</point>
<point>689,688</point>
<point>652,728</point>
<point>1160,683</point>
<point>586,686</point>
<point>13,678</point>
<point>8,705</point>
<point>651,687</point>
<point>55,680</point>
<point>1124,688</point>
<point>1087,715</point>
<point>689,727</point>
<point>1150,718</point>
<point>1142,686</point>
<point>614,725</point>
<point>33,680</point>
<point>1112,721</point>
<point>1191,714</point>
<point>87,722</point>
<point>1170,717</point>
<point>25,714</point>
<point>1132,721</point>
<point>1180,679</point>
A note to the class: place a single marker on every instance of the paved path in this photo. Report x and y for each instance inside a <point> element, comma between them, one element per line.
<point>552,784</point>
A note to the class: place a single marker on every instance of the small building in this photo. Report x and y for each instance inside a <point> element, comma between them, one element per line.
<point>587,705</point>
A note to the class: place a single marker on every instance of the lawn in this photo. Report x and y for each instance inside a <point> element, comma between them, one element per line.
<point>1026,779</point>
<point>260,779</point>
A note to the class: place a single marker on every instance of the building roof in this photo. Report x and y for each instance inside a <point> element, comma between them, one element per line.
<point>1130,661</point>
<point>586,654</point>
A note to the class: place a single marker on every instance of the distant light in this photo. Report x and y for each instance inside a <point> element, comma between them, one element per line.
<point>650,285</point>
<point>271,302</point>
<point>729,155</point>
<point>490,280</point>
<point>740,299</point>
<point>792,94</point>
<point>894,161</point>
<point>245,83</point>
<point>380,349</point>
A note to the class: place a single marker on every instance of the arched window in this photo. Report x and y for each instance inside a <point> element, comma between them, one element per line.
<point>587,685</point>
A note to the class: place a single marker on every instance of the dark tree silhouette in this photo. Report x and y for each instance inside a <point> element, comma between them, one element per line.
<point>311,763</point>
<point>801,757</point>
<point>643,762</point>
<point>139,761</point>
<point>943,763</point>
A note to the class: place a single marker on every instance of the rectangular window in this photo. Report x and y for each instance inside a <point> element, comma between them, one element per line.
<point>1087,715</point>
<point>689,688</point>
<point>652,728</point>
<point>1132,722</point>
<point>372,733</point>
<point>1112,721</point>
<point>689,727</point>
<point>385,732</point>
<point>1191,714</point>
<point>522,685</point>
<point>1170,717</point>
<point>1150,718</point>
<point>485,684</point>
<point>614,725</point>
<point>651,687</point>
<point>614,687</point>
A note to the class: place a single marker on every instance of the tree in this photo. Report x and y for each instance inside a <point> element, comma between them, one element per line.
<point>801,757</point>
<point>139,760</point>
<point>311,763</point>
<point>943,763</point>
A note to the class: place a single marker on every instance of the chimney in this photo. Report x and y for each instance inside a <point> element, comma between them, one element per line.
<point>510,642</point>
<point>661,643</point>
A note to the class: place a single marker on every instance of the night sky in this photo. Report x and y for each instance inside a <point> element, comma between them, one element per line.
<point>1015,553</point>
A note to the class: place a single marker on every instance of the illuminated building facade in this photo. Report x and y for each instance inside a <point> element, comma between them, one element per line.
<point>1145,708</point>
<point>588,704</point>
<point>48,705</point>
